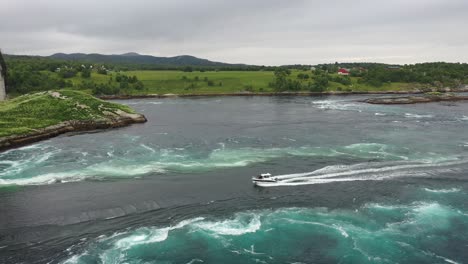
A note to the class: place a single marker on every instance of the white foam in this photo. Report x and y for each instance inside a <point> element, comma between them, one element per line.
<point>335,227</point>
<point>252,251</point>
<point>48,178</point>
<point>342,231</point>
<point>148,148</point>
<point>410,115</point>
<point>19,166</point>
<point>440,257</point>
<point>234,227</point>
<point>195,261</point>
<point>357,172</point>
<point>147,235</point>
<point>451,190</point>
<point>93,171</point>
<point>336,105</point>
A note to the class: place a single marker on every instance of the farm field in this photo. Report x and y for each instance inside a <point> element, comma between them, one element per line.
<point>209,82</point>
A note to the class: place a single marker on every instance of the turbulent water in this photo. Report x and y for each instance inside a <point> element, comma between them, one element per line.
<point>357,183</point>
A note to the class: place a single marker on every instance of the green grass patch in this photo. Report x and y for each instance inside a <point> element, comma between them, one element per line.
<point>28,112</point>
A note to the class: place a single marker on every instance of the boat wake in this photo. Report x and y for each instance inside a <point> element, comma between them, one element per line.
<point>366,172</point>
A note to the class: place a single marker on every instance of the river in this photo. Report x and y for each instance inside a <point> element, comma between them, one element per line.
<point>361,184</point>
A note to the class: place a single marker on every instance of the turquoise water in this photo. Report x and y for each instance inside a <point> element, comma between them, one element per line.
<point>374,233</point>
<point>358,184</point>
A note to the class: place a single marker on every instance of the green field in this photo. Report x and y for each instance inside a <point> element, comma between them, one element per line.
<point>179,82</point>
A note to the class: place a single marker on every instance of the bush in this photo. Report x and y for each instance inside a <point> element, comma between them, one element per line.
<point>188,69</point>
<point>86,73</point>
<point>67,73</point>
<point>248,88</point>
<point>102,71</point>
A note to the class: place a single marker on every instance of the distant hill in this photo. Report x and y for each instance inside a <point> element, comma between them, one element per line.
<point>135,58</point>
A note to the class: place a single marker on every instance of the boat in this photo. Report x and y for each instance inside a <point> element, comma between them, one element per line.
<point>264,177</point>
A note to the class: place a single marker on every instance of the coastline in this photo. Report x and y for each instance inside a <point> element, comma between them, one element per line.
<point>122,119</point>
<point>416,99</point>
<point>143,96</point>
<point>118,120</point>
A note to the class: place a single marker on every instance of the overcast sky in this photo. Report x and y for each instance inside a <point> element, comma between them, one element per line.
<point>263,32</point>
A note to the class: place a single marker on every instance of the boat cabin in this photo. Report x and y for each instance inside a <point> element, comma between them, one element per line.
<point>264,176</point>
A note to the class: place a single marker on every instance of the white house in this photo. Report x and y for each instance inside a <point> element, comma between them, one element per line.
<point>2,78</point>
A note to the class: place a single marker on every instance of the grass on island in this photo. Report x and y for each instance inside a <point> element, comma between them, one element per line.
<point>179,82</point>
<point>33,111</point>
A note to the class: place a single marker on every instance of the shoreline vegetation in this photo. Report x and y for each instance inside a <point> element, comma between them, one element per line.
<point>134,75</point>
<point>240,94</point>
<point>34,117</point>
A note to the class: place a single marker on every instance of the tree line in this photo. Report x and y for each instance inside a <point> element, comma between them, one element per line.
<point>33,73</point>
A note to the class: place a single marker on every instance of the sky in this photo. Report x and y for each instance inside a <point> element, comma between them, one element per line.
<point>260,32</point>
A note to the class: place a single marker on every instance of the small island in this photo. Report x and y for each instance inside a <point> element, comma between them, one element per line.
<point>425,98</point>
<point>33,117</point>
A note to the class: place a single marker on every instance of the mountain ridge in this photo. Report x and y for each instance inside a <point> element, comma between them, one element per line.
<point>136,58</point>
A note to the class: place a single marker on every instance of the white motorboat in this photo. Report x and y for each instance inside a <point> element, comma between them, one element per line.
<point>264,177</point>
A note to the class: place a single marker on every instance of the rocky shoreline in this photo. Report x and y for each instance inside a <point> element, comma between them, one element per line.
<point>113,120</point>
<point>143,96</point>
<point>416,99</point>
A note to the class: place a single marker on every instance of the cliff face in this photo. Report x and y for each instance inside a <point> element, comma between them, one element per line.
<point>3,70</point>
<point>2,85</point>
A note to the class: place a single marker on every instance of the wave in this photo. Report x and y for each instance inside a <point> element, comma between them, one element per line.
<point>242,224</point>
<point>47,164</point>
<point>96,171</point>
<point>373,232</point>
<point>451,190</point>
<point>148,235</point>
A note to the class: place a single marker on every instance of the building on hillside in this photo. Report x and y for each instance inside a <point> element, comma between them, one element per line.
<point>3,70</point>
<point>343,71</point>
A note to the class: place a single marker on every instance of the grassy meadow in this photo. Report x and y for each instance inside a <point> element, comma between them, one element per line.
<point>179,82</point>
<point>25,113</point>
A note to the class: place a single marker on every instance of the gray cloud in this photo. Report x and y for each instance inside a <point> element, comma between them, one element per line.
<point>267,32</point>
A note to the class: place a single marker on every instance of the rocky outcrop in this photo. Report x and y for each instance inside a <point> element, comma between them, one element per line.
<point>112,120</point>
<point>416,99</point>
<point>2,78</point>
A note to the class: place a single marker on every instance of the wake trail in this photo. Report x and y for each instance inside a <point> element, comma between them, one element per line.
<point>365,172</point>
